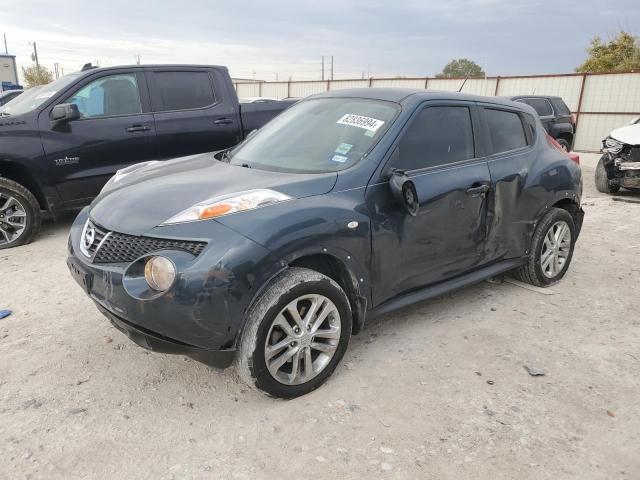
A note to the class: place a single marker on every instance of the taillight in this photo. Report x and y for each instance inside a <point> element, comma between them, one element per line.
<point>573,118</point>
<point>575,157</point>
<point>572,155</point>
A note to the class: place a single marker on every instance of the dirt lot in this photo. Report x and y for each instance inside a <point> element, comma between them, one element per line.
<point>434,391</point>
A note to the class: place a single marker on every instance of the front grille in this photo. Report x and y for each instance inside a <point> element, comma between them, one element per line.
<point>121,248</point>
<point>634,154</point>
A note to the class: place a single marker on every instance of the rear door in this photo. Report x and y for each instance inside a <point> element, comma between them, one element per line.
<point>510,138</point>
<point>192,110</point>
<point>440,151</point>
<point>115,130</point>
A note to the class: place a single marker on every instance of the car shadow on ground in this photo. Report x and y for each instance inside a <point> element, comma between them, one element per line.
<point>57,226</point>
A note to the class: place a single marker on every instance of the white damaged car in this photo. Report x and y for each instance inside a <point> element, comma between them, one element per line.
<point>619,166</point>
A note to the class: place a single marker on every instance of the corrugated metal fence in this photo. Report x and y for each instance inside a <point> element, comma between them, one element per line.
<point>601,102</point>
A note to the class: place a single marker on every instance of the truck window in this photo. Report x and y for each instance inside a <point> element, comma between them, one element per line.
<point>108,96</point>
<point>437,136</point>
<point>182,90</point>
<point>540,105</point>
<point>505,130</point>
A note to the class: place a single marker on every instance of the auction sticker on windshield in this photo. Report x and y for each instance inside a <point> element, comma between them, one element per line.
<point>368,123</point>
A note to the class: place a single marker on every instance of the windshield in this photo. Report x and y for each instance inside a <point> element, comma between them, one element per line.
<point>315,136</point>
<point>36,96</point>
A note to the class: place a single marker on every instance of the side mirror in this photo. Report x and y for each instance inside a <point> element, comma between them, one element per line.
<point>404,192</point>
<point>65,112</point>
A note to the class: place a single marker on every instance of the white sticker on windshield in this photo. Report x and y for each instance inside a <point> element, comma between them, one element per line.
<point>368,123</point>
<point>339,159</point>
<point>45,95</point>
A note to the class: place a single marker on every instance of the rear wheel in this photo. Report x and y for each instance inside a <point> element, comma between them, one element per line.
<point>564,144</point>
<point>551,249</point>
<point>19,214</point>
<point>603,184</point>
<point>295,335</point>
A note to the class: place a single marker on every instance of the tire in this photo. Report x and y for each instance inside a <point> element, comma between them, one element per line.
<point>19,214</point>
<point>603,184</point>
<point>564,144</point>
<point>536,271</point>
<point>263,327</point>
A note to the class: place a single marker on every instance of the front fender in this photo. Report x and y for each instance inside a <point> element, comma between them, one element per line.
<point>334,224</point>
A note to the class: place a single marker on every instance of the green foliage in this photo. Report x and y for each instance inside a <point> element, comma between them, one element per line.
<point>618,55</point>
<point>34,76</point>
<point>461,68</point>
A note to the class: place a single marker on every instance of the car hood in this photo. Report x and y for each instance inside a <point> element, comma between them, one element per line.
<point>629,134</point>
<point>156,191</point>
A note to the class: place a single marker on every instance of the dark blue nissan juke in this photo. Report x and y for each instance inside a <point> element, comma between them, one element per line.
<point>349,204</point>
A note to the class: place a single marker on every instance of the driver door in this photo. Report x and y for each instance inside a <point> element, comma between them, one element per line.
<point>115,130</point>
<point>438,151</point>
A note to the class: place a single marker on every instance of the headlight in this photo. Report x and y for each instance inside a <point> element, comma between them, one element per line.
<point>159,272</point>
<point>227,204</point>
<point>123,172</point>
<point>612,145</point>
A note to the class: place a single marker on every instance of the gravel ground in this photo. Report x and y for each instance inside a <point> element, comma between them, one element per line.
<point>434,391</point>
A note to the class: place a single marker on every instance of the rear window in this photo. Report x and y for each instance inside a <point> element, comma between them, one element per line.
<point>540,105</point>
<point>505,130</point>
<point>182,90</point>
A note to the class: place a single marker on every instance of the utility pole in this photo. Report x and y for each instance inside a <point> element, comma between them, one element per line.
<point>323,67</point>
<point>138,59</point>
<point>6,49</point>
<point>56,67</point>
<point>34,57</point>
<point>331,67</point>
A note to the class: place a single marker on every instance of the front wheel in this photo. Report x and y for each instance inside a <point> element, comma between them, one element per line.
<point>19,214</point>
<point>603,184</point>
<point>551,249</point>
<point>295,334</point>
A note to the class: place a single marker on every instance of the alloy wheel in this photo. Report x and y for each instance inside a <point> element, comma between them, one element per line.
<point>555,249</point>
<point>13,219</point>
<point>302,339</point>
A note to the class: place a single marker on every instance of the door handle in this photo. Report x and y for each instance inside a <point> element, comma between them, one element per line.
<point>478,190</point>
<point>138,128</point>
<point>223,121</point>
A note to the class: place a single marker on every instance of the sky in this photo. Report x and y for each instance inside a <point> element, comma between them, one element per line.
<point>269,39</point>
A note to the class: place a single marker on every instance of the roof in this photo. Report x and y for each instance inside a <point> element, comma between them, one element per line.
<point>399,95</point>
<point>162,65</point>
<point>512,97</point>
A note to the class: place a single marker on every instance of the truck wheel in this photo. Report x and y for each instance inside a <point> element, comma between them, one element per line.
<point>295,334</point>
<point>551,249</point>
<point>563,143</point>
<point>19,214</point>
<point>603,184</point>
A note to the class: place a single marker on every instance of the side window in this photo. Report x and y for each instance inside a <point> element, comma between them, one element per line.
<point>530,123</point>
<point>183,90</point>
<point>505,130</point>
<point>560,106</point>
<point>108,96</point>
<point>437,136</point>
<point>540,105</point>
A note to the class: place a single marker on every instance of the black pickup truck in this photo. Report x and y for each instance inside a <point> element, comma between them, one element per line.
<point>60,143</point>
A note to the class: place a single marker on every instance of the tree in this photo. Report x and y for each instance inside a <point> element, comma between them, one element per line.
<point>35,75</point>
<point>461,68</point>
<point>618,55</point>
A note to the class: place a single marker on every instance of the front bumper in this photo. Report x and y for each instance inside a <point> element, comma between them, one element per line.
<point>202,314</point>
<point>155,342</point>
